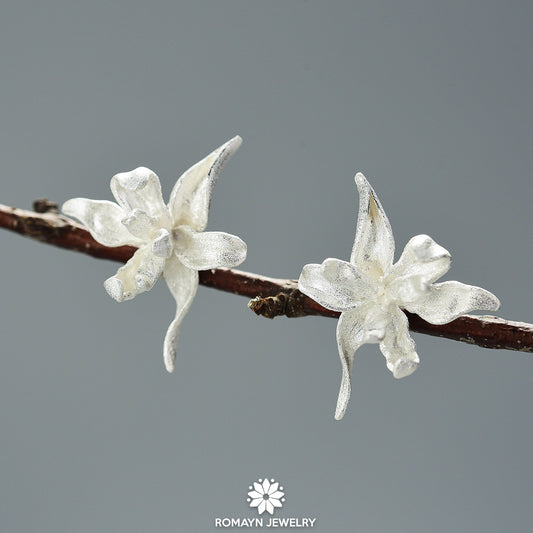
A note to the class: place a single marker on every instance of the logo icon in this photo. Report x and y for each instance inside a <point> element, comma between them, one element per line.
<point>265,495</point>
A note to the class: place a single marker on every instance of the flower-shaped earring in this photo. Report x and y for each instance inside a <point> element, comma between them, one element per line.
<point>370,292</point>
<point>170,238</point>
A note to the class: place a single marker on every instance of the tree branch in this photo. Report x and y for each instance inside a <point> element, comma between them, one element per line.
<point>270,297</point>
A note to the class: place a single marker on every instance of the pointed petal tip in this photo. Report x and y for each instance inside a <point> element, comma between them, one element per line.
<point>169,347</point>
<point>235,142</point>
<point>190,196</point>
<point>340,410</point>
<point>169,366</point>
<point>169,357</point>
<point>344,397</point>
<point>231,146</point>
<point>360,180</point>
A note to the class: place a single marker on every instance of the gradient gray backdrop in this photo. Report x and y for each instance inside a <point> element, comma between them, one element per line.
<point>431,100</point>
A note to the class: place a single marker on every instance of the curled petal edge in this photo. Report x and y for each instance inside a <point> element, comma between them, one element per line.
<point>140,189</point>
<point>422,262</point>
<point>102,218</point>
<point>138,275</point>
<point>335,284</point>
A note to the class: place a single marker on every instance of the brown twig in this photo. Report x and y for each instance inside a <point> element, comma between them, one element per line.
<point>270,297</point>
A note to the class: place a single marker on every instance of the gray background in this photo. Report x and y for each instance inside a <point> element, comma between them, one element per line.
<point>432,100</point>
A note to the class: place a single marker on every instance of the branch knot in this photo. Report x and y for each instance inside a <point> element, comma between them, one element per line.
<point>289,303</point>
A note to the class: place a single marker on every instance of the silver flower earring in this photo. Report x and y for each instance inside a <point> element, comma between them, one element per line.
<point>171,238</point>
<point>370,292</point>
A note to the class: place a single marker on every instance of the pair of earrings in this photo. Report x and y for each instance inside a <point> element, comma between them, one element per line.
<point>369,290</point>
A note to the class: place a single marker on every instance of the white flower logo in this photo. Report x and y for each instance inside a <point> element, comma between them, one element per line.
<point>265,495</point>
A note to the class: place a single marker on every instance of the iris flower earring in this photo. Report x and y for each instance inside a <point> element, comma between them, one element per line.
<point>170,238</point>
<point>370,292</point>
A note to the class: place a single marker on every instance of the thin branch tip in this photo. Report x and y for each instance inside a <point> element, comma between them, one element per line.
<point>43,205</point>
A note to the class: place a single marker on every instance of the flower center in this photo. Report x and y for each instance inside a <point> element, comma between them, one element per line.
<point>182,236</point>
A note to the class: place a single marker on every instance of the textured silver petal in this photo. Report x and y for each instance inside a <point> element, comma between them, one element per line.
<point>140,189</point>
<point>190,197</point>
<point>138,275</point>
<point>398,347</point>
<point>102,218</point>
<point>336,284</point>
<point>422,262</point>
<point>376,320</point>
<point>162,245</point>
<point>182,283</point>
<point>140,224</point>
<point>149,270</point>
<point>209,249</point>
<point>444,302</point>
<point>350,336</point>
<point>373,248</point>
